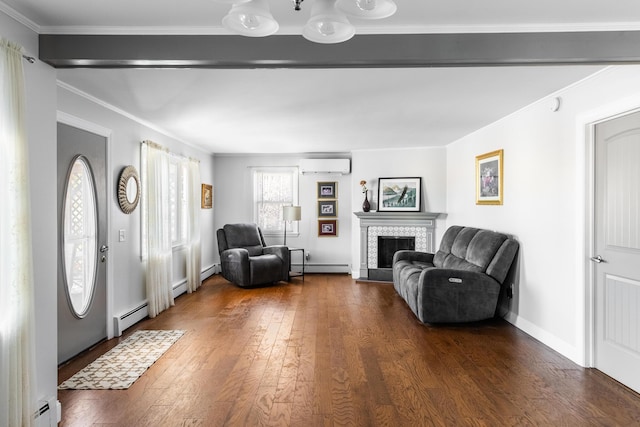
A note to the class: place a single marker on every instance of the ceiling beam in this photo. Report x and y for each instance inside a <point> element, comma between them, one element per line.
<point>287,51</point>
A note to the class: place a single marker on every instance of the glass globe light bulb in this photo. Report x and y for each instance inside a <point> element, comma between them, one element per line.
<point>250,22</point>
<point>366,4</point>
<point>327,28</point>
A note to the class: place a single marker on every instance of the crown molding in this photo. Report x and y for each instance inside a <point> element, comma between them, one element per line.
<point>369,29</point>
<point>151,31</point>
<point>8,10</point>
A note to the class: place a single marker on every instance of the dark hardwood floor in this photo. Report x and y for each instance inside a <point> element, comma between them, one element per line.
<point>332,351</point>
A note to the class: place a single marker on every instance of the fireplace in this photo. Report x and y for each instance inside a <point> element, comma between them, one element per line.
<point>397,230</point>
<point>389,245</point>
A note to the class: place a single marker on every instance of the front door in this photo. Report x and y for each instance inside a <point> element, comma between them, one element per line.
<point>82,237</point>
<point>617,249</point>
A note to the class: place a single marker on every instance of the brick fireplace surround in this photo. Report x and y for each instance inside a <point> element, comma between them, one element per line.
<point>420,225</point>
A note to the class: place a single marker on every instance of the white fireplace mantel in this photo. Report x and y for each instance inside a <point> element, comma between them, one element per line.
<point>395,222</point>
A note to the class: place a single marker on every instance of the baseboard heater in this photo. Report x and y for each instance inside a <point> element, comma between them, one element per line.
<point>130,318</point>
<point>323,268</point>
<point>133,316</point>
<point>48,413</point>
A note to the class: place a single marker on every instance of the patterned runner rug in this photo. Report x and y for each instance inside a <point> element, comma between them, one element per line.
<point>122,365</point>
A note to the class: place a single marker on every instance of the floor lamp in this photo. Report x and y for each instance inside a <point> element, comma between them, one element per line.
<point>290,213</point>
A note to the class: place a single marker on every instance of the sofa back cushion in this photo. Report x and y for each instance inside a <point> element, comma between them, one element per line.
<point>245,236</point>
<point>474,249</point>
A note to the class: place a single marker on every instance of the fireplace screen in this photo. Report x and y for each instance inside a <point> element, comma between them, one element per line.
<point>389,245</point>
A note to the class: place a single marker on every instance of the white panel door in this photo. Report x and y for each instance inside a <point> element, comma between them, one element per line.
<point>617,246</point>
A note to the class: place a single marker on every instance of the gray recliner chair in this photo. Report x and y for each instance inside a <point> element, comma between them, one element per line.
<point>245,258</point>
<point>462,281</point>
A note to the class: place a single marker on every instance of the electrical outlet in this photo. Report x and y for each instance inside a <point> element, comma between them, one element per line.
<point>122,236</point>
<point>510,291</point>
<point>307,256</point>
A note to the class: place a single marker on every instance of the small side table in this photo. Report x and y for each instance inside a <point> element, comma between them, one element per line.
<point>296,273</point>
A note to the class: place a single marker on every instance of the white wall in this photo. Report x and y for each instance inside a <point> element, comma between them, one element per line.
<point>232,190</point>
<point>427,163</point>
<point>41,135</point>
<point>126,268</point>
<point>544,202</point>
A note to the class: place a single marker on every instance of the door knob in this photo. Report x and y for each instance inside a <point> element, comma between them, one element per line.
<point>597,259</point>
<point>104,248</point>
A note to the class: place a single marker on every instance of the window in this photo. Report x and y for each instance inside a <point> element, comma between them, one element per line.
<point>178,201</point>
<point>274,188</point>
<point>171,175</point>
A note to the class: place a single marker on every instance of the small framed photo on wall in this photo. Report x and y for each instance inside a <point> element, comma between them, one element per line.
<point>489,178</point>
<point>207,196</point>
<point>327,208</point>
<point>327,190</point>
<point>327,227</point>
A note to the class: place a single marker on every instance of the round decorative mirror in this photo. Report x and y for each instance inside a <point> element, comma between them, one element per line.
<point>128,189</point>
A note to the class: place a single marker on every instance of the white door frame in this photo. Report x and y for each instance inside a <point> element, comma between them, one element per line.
<point>88,126</point>
<point>586,217</point>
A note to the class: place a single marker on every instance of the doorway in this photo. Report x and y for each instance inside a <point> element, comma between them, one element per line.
<point>82,240</point>
<point>615,259</point>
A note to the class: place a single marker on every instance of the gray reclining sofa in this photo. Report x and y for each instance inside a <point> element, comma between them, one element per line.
<point>461,282</point>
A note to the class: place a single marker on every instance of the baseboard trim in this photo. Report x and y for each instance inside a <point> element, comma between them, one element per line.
<point>546,338</point>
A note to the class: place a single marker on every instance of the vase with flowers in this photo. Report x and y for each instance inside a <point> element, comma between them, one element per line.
<point>366,206</point>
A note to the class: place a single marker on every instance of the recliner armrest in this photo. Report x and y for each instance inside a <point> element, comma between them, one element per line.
<point>447,295</point>
<point>234,255</point>
<point>280,250</point>
<point>413,256</point>
<point>235,266</point>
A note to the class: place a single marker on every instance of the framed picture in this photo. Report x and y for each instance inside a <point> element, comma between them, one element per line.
<point>489,184</point>
<point>399,194</point>
<point>327,227</point>
<point>207,196</point>
<point>327,208</point>
<point>327,190</point>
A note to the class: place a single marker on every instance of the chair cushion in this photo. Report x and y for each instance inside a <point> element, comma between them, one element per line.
<point>244,236</point>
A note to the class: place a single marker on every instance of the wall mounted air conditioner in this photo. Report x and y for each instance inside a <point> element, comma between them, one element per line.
<point>333,166</point>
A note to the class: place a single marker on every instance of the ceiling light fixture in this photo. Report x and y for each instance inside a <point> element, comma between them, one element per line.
<point>328,22</point>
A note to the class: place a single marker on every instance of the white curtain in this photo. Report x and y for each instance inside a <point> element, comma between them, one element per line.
<point>193,225</point>
<point>157,250</point>
<point>17,366</point>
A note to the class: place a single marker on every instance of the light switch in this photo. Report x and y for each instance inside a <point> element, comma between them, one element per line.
<point>122,236</point>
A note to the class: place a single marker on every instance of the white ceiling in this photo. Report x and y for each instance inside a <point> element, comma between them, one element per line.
<point>204,16</point>
<point>330,110</point>
<point>333,110</point>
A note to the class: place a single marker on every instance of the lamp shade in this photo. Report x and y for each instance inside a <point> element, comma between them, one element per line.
<point>367,9</point>
<point>291,213</point>
<point>251,18</point>
<point>327,24</point>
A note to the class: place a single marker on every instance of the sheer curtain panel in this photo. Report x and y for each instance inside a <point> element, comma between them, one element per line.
<point>156,217</point>
<point>17,366</point>
<point>193,225</point>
